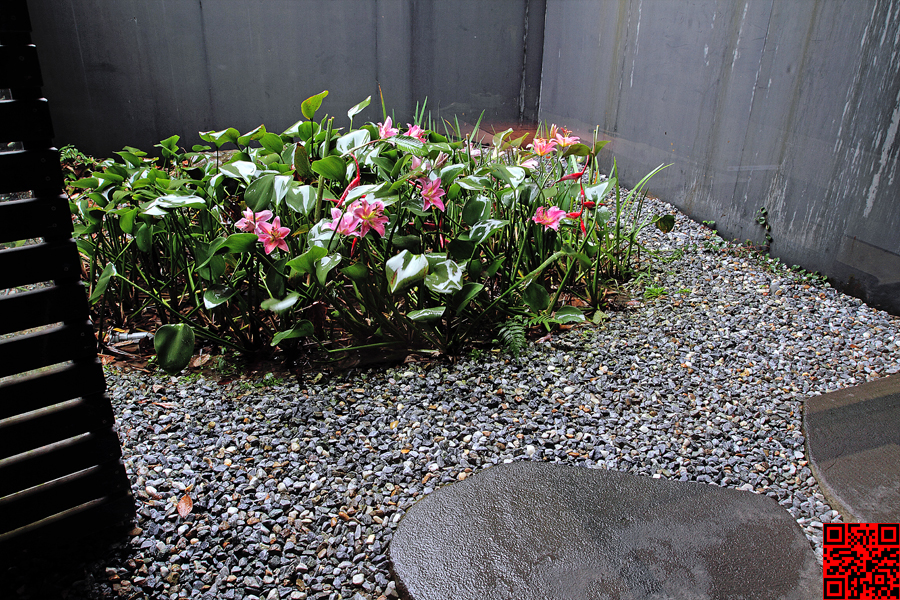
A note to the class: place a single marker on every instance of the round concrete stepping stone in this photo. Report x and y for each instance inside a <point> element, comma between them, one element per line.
<point>538,530</point>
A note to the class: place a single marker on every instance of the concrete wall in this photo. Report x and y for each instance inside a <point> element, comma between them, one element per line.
<point>137,71</point>
<point>791,105</point>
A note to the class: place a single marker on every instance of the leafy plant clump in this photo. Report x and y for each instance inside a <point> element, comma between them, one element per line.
<point>376,237</point>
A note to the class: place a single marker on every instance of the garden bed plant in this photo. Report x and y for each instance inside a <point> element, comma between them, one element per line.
<point>377,237</point>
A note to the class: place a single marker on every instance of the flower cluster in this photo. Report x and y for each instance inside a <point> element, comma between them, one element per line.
<point>271,235</point>
<point>360,217</point>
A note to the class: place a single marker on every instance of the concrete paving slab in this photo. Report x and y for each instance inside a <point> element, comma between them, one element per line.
<point>853,442</point>
<point>538,530</point>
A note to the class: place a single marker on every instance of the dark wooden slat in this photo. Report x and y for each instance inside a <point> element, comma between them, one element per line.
<point>39,390</point>
<point>19,67</point>
<point>54,497</point>
<point>36,170</point>
<point>102,521</point>
<point>58,261</point>
<point>25,120</point>
<point>46,217</point>
<point>53,424</point>
<point>56,460</point>
<point>44,306</point>
<point>44,348</point>
<point>14,16</point>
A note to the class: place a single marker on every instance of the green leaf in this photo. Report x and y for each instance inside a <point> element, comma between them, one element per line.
<point>483,230</point>
<point>319,235</point>
<point>306,262</point>
<point>536,297</point>
<point>174,346</point>
<point>477,209</point>
<point>312,104</point>
<point>324,265</point>
<point>444,277</point>
<point>409,144</point>
<point>126,221</point>
<point>426,314</point>
<point>220,138</point>
<point>358,272</point>
<point>569,314</point>
<point>266,191</point>
<point>468,292</point>
<point>218,295</point>
<point>599,146</point>
<point>239,169</point>
<point>272,142</point>
<point>474,182</point>
<point>169,146</point>
<point>511,176</point>
<point>576,150</point>
<point>449,173</point>
<point>143,236</point>
<point>109,271</point>
<point>250,136</point>
<point>305,130</point>
<point>301,198</point>
<point>345,143</point>
<point>301,162</point>
<point>279,306</point>
<point>355,110</point>
<point>89,182</point>
<point>409,242</point>
<point>303,328</point>
<point>404,269</point>
<point>330,167</point>
<point>665,223</point>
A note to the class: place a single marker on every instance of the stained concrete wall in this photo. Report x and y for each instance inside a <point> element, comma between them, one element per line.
<point>791,105</point>
<point>137,71</point>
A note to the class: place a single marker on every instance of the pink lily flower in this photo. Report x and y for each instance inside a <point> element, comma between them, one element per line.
<point>345,223</point>
<point>431,193</point>
<point>562,137</point>
<point>252,221</point>
<point>385,130</point>
<point>549,218</point>
<point>416,132</point>
<point>543,147</point>
<point>531,163</point>
<point>272,235</point>
<point>370,215</point>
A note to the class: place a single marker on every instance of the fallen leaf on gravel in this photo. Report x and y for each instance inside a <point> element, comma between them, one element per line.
<point>185,505</point>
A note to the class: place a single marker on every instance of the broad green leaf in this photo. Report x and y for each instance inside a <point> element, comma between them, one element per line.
<point>511,176</point>
<point>169,146</point>
<point>272,142</point>
<point>477,209</point>
<point>274,278</point>
<point>301,162</point>
<point>279,306</point>
<point>143,236</point>
<point>239,169</point>
<point>468,292</point>
<point>312,104</point>
<point>174,346</point>
<point>319,235</point>
<point>330,167</point>
<point>536,297</point>
<point>404,269</point>
<point>355,110</point>
<point>126,221</point>
<point>474,182</point>
<point>305,130</point>
<point>109,271</point>
<point>161,206</point>
<point>444,277</point>
<point>665,223</point>
<point>409,242</point>
<point>219,138</point>
<point>266,191</point>
<point>426,314</point>
<point>236,243</point>
<point>306,262</point>
<point>217,295</point>
<point>569,314</point>
<point>354,139</point>
<point>409,144</point>
<point>89,182</point>
<point>324,265</point>
<point>449,173</point>
<point>576,150</point>
<point>599,146</point>
<point>303,328</point>
<point>301,198</point>
<point>596,193</point>
<point>250,136</point>
<point>358,272</point>
<point>483,230</point>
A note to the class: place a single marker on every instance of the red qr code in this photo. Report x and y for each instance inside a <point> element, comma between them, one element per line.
<point>861,560</point>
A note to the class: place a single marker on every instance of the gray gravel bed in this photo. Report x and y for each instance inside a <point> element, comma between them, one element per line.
<point>298,487</point>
